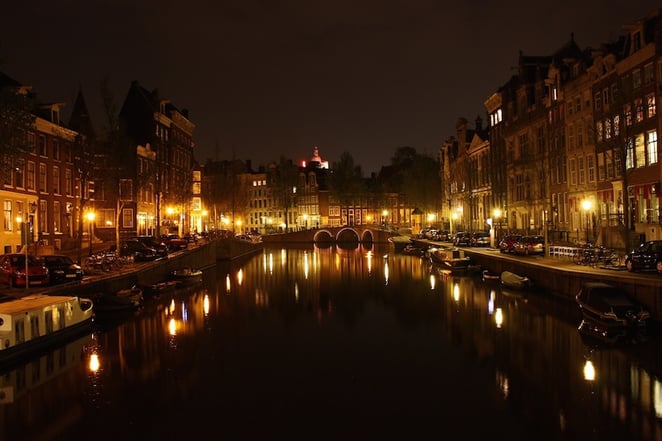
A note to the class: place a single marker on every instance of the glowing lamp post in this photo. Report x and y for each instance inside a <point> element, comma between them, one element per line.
<point>24,243</point>
<point>90,218</point>
<point>496,219</point>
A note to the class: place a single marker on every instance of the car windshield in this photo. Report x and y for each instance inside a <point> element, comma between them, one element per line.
<point>19,259</point>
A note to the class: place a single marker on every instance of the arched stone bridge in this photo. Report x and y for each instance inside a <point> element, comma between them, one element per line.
<point>346,234</point>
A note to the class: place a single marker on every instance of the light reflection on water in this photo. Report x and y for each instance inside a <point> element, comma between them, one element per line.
<point>312,343</point>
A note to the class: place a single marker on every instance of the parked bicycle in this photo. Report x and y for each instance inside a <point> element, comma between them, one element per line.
<point>596,256</point>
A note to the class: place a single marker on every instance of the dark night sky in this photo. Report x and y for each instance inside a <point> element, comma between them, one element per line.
<point>265,78</point>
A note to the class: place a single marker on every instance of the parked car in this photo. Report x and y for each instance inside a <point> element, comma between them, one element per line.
<point>646,256</point>
<point>480,239</point>
<point>507,244</point>
<point>151,241</point>
<point>174,242</point>
<point>192,237</point>
<point>462,239</point>
<point>138,250</point>
<point>530,245</point>
<point>442,235</point>
<point>12,270</point>
<point>62,268</point>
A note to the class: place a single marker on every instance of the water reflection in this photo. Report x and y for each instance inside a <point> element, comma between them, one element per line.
<point>381,343</point>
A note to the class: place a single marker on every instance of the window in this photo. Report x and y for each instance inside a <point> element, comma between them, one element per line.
<point>573,172</point>
<point>650,106</point>
<point>651,146</point>
<point>42,145</point>
<point>68,182</point>
<point>629,153</point>
<point>578,104</point>
<point>617,125</point>
<point>126,189</point>
<point>127,218</point>
<point>57,217</point>
<point>520,190</point>
<point>7,210</point>
<point>649,74</point>
<point>607,128</point>
<point>106,217</point>
<point>605,97</point>
<point>614,92</point>
<point>580,133</point>
<point>571,136</point>
<point>627,110</point>
<point>580,167</point>
<point>601,166</point>
<point>19,173</point>
<point>56,180</point>
<point>56,149</point>
<point>43,216</point>
<point>639,110</point>
<point>587,99</point>
<point>639,150</point>
<point>32,142</point>
<point>42,177</point>
<point>31,175</point>
<point>636,78</point>
<point>598,101</point>
<point>523,146</point>
<point>598,131</point>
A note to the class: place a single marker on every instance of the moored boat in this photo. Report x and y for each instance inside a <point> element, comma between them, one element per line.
<point>415,249</point>
<point>122,301</point>
<point>32,323</point>
<point>515,281</point>
<point>400,242</point>
<point>489,276</point>
<point>187,275</point>
<point>158,288</point>
<point>610,306</point>
<point>450,258</point>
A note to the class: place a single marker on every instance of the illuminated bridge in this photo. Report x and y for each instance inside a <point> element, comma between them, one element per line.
<point>346,234</point>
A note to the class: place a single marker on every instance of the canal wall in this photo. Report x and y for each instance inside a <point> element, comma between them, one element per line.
<point>561,277</point>
<point>202,256</point>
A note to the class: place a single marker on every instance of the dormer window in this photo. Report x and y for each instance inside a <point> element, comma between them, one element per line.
<point>55,115</point>
<point>636,41</point>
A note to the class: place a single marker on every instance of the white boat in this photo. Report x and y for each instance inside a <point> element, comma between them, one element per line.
<point>400,242</point>
<point>452,259</point>
<point>32,323</point>
<point>515,281</point>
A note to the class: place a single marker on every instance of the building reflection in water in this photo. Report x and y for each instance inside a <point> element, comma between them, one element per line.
<point>540,366</point>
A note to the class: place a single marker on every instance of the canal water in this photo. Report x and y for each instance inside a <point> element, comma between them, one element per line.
<point>331,343</point>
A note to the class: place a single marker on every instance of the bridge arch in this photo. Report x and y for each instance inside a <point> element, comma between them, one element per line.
<point>323,235</point>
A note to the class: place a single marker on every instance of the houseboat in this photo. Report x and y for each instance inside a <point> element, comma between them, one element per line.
<point>35,322</point>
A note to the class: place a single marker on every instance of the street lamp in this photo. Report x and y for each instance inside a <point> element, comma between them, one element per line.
<point>496,220</point>
<point>90,218</point>
<point>454,216</point>
<point>24,243</point>
<point>384,217</point>
<point>586,205</point>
